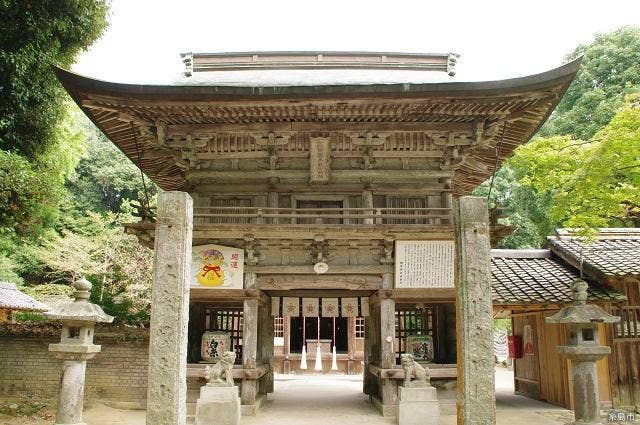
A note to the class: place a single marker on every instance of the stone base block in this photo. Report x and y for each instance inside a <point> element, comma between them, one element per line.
<point>418,406</point>
<point>218,406</point>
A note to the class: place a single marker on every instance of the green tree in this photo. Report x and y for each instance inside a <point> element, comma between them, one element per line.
<point>117,265</point>
<point>610,69</point>
<point>105,177</point>
<point>586,184</point>
<point>34,34</point>
<point>28,199</point>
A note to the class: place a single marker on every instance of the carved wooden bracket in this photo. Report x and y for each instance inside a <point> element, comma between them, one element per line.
<point>253,256</point>
<point>161,132</point>
<point>367,141</point>
<point>271,141</point>
<point>319,249</point>
<point>386,252</point>
<point>285,251</point>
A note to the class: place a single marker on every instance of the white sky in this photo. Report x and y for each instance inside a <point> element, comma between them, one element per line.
<point>497,39</point>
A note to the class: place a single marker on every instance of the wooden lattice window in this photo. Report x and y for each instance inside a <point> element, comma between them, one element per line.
<point>230,202</point>
<point>412,204</point>
<point>411,321</point>
<point>278,327</point>
<point>227,319</point>
<point>359,323</point>
<point>629,325</point>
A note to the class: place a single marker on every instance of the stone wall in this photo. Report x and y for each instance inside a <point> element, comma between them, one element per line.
<point>117,374</point>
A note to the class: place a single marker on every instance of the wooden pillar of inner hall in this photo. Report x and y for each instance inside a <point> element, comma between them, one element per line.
<point>249,388</point>
<point>476,403</point>
<point>265,343</point>
<point>388,387</point>
<point>167,386</point>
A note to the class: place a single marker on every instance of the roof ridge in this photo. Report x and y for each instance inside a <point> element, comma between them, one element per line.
<point>520,253</point>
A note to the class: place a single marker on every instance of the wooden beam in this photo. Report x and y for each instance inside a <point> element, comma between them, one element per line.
<point>183,129</point>
<point>285,282</point>
<point>203,294</point>
<point>333,269</point>
<point>433,188</point>
<point>418,294</point>
<point>315,293</point>
<point>303,175</point>
<point>253,155</point>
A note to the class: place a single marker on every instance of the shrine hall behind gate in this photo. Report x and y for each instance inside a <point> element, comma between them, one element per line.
<point>318,200</point>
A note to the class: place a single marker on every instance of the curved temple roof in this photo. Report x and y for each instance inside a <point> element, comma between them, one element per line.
<point>469,127</point>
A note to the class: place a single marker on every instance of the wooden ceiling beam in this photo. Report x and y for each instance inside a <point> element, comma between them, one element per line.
<point>325,126</point>
<point>208,156</point>
<point>337,175</point>
<point>261,188</point>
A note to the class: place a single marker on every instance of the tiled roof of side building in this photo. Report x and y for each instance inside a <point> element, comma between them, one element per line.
<point>12,299</point>
<point>614,252</point>
<point>521,277</point>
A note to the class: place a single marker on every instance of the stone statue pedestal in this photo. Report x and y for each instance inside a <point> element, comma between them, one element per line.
<point>418,405</point>
<point>218,405</point>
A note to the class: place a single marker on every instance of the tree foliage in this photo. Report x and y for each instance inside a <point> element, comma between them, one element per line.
<point>591,183</point>
<point>28,199</point>
<point>610,69</point>
<point>541,187</point>
<point>105,177</point>
<point>118,266</point>
<point>35,34</point>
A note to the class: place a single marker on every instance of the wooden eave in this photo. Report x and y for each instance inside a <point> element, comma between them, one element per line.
<point>128,114</point>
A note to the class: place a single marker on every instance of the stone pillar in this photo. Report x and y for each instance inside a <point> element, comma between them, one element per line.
<point>585,392</point>
<point>167,384</point>
<point>388,387</point>
<point>474,313</point>
<point>71,395</point>
<point>249,341</point>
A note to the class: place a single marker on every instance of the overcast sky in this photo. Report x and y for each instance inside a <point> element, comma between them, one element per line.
<point>497,39</point>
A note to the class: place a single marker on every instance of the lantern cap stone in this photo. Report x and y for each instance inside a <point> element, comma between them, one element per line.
<point>80,309</point>
<point>581,312</point>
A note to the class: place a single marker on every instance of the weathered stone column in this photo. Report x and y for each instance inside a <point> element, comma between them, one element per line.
<point>71,395</point>
<point>582,326</point>
<point>249,389</point>
<point>388,387</point>
<point>76,346</point>
<point>474,313</point>
<point>167,379</point>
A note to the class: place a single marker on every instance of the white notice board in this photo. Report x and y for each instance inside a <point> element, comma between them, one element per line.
<point>424,264</point>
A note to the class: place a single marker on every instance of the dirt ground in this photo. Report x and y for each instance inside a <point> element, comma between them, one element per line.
<point>334,400</point>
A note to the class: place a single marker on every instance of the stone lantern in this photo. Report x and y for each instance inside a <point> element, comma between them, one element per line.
<point>76,346</point>
<point>583,349</point>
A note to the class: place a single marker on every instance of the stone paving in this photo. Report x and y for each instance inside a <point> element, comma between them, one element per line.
<point>338,400</point>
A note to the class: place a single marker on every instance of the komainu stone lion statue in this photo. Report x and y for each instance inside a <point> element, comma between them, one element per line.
<point>412,369</point>
<point>220,373</point>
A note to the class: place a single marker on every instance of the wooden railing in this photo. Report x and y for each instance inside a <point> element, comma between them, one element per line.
<point>321,216</point>
<point>629,325</point>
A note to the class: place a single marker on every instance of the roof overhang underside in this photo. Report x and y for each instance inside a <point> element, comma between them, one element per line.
<point>468,128</point>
